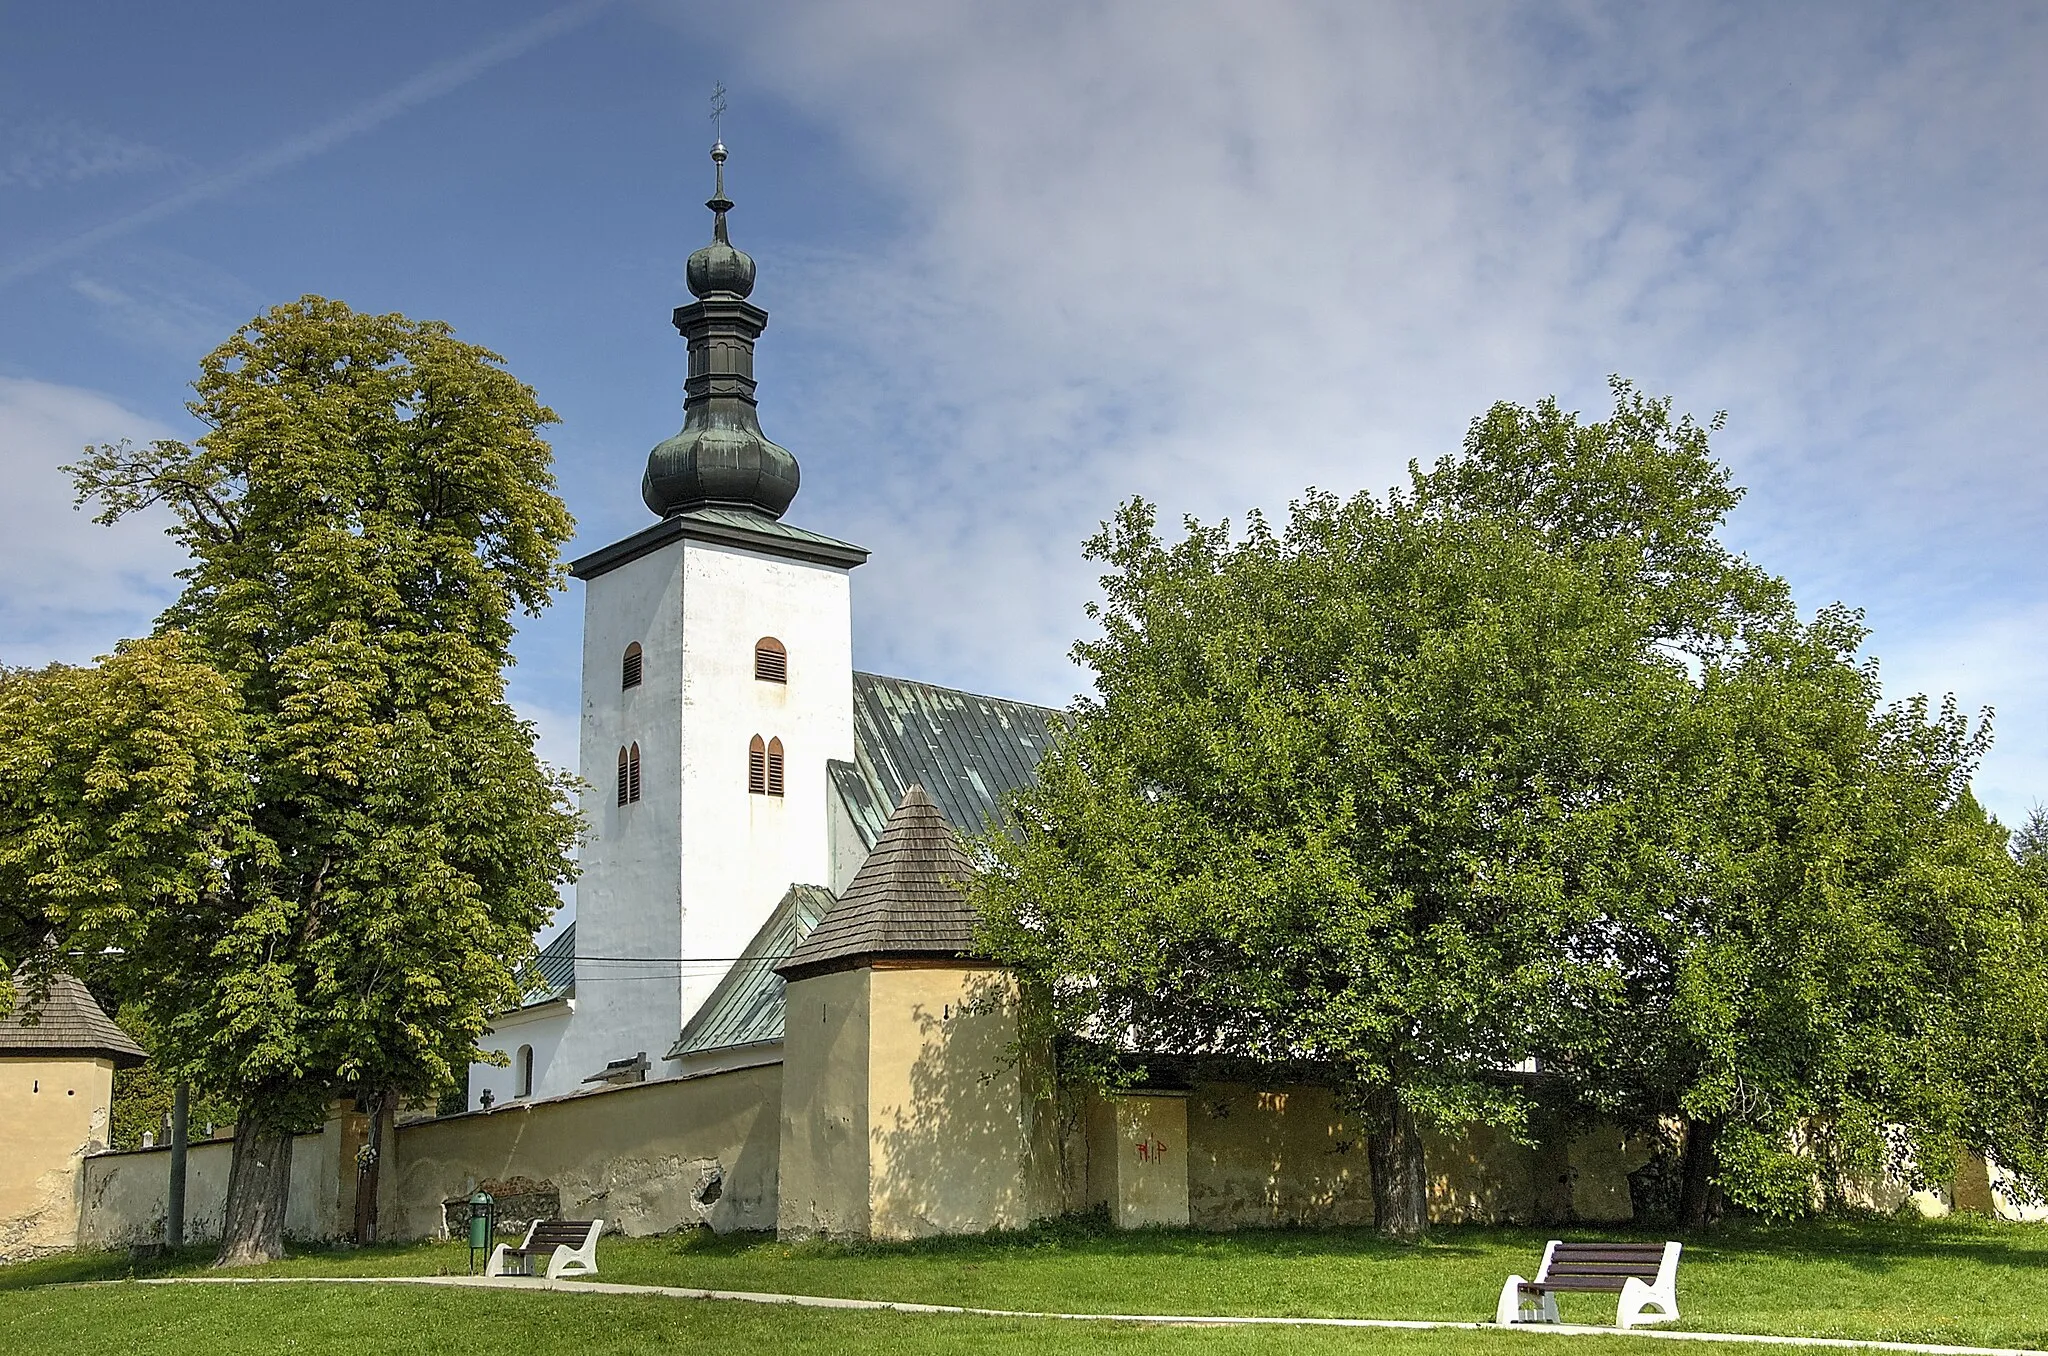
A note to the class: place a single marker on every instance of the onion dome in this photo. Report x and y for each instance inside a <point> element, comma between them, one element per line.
<point>720,459</point>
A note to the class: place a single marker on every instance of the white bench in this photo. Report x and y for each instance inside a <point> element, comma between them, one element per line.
<point>570,1245</point>
<point>1646,1274</point>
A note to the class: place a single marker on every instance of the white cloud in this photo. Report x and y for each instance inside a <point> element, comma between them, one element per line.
<point>1212,253</point>
<point>68,587</point>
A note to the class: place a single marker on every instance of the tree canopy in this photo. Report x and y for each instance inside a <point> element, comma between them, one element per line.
<point>1515,767</point>
<point>300,825</point>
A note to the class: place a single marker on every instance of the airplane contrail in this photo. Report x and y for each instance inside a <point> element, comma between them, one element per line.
<point>438,79</point>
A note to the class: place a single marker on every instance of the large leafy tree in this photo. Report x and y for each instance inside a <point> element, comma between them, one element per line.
<point>1518,761</point>
<point>301,825</point>
<point>1833,969</point>
<point>1344,792</point>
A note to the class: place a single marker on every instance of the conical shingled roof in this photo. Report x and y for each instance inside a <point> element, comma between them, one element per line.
<point>68,1022</point>
<point>906,899</point>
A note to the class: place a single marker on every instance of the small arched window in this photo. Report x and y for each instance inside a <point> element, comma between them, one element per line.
<point>771,660</point>
<point>629,774</point>
<point>764,767</point>
<point>629,669</point>
<point>525,1071</point>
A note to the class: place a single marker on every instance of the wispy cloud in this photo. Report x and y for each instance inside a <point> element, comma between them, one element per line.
<point>1215,253</point>
<point>53,151</point>
<point>441,78</point>
<point>67,585</point>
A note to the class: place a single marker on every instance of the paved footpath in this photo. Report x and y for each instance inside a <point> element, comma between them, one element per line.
<point>1183,1320</point>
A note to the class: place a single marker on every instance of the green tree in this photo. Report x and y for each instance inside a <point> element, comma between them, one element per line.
<point>1522,762</point>
<point>302,823</point>
<point>1342,793</point>
<point>1811,964</point>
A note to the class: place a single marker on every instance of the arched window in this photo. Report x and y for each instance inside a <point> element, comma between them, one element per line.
<point>771,661</point>
<point>629,774</point>
<point>629,670</point>
<point>525,1072</point>
<point>764,767</point>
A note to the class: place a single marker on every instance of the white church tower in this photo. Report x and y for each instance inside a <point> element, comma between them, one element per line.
<point>717,683</point>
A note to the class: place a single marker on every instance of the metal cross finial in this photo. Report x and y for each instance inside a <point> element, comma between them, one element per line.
<point>718,113</point>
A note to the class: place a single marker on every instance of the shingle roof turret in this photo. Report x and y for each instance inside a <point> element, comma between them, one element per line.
<point>66,1022</point>
<point>906,899</point>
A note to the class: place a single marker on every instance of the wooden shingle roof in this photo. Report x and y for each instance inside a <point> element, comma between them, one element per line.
<point>906,900</point>
<point>68,1021</point>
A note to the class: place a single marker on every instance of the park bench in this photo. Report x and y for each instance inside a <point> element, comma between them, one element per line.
<point>1645,1274</point>
<point>570,1245</point>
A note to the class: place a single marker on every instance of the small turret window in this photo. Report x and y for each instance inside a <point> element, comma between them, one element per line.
<point>525,1062</point>
<point>771,661</point>
<point>629,774</point>
<point>764,767</point>
<point>629,670</point>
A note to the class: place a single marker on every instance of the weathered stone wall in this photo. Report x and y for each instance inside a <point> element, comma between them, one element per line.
<point>645,1158</point>
<point>126,1193</point>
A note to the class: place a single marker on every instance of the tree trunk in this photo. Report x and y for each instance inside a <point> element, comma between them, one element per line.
<point>382,1108</point>
<point>1400,1185</point>
<point>259,1180</point>
<point>1698,1188</point>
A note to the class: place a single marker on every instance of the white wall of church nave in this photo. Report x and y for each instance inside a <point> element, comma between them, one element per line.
<point>540,1027</point>
<point>628,896</point>
<point>741,852</point>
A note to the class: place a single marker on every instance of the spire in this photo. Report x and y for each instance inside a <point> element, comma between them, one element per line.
<point>720,459</point>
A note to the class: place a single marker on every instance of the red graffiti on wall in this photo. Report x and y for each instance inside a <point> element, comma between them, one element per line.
<point>1151,1151</point>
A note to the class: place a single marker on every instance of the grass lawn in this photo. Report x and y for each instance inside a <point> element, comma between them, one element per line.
<point>1964,1281</point>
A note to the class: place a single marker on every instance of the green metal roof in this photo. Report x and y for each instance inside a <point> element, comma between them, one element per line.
<point>968,752</point>
<point>554,970</point>
<point>746,1007</point>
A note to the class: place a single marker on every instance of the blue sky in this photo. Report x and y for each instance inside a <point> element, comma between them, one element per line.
<point>1025,261</point>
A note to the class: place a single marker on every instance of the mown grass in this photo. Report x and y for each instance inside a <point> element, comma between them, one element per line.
<point>1960,1281</point>
<point>398,1320</point>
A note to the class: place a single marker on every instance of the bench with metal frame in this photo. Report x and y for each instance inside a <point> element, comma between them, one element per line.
<point>1645,1274</point>
<point>570,1246</point>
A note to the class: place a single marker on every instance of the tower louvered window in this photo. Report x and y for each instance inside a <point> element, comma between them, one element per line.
<point>629,670</point>
<point>629,774</point>
<point>764,767</point>
<point>771,660</point>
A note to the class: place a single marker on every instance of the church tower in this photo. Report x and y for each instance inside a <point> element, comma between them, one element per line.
<point>717,683</point>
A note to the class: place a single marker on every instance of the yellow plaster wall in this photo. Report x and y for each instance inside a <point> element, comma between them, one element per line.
<point>1139,1159</point>
<point>639,1157</point>
<point>53,1112</point>
<point>1274,1156</point>
<point>824,1113</point>
<point>950,1128</point>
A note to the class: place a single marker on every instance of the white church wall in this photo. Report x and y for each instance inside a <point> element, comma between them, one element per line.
<point>628,894</point>
<point>740,852</point>
<point>539,1028</point>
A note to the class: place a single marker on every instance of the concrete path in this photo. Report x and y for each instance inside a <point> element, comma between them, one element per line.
<point>1181,1320</point>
